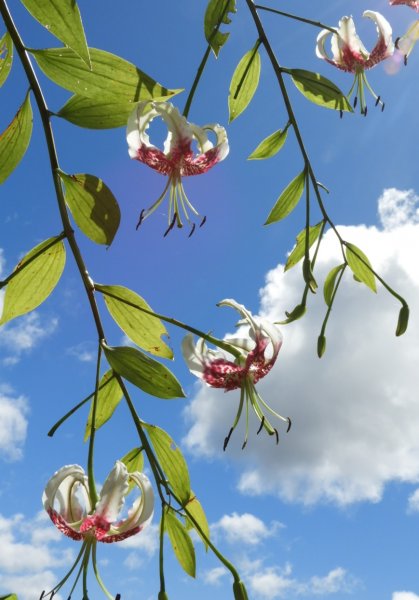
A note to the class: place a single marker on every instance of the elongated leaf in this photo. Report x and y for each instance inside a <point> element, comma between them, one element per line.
<point>172,462</point>
<point>217,13</point>
<point>143,329</point>
<point>299,250</point>
<point>296,313</point>
<point>288,200</point>
<point>134,461</point>
<point>111,77</point>
<point>320,90</point>
<point>36,276</point>
<point>9,597</point>
<point>244,83</point>
<point>62,18</point>
<point>6,57</point>
<point>14,141</point>
<point>329,284</point>
<point>358,264</point>
<point>93,206</point>
<point>95,113</point>
<point>270,145</point>
<point>181,543</point>
<point>146,373</point>
<point>108,398</point>
<point>194,507</point>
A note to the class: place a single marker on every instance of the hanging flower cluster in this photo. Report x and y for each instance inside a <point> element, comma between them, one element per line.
<point>177,159</point>
<point>349,54</point>
<point>252,357</point>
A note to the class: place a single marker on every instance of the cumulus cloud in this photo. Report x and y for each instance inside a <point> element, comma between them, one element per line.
<point>13,424</point>
<point>244,529</point>
<point>24,334</point>
<point>273,582</point>
<point>147,541</point>
<point>20,537</point>
<point>355,411</point>
<point>413,502</point>
<point>84,352</point>
<point>398,207</point>
<point>404,596</point>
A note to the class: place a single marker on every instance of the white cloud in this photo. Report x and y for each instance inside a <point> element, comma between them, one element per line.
<point>146,541</point>
<point>355,411</point>
<point>404,596</point>
<point>20,540</point>
<point>85,351</point>
<point>272,582</point>
<point>413,502</point>
<point>398,207</point>
<point>244,529</point>
<point>214,576</point>
<point>13,424</point>
<point>24,334</point>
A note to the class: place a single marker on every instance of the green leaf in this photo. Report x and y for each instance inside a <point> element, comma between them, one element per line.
<point>217,13</point>
<point>9,597</point>
<point>34,278</point>
<point>299,250</point>
<point>143,329</point>
<point>146,373</point>
<point>111,77</point>
<point>194,507</point>
<point>172,462</point>
<point>360,266</point>
<point>93,206</point>
<point>108,398</point>
<point>270,145</point>
<point>6,57</point>
<point>15,139</point>
<point>288,200</point>
<point>62,18</point>
<point>244,82</point>
<point>95,113</point>
<point>320,90</point>
<point>403,320</point>
<point>181,543</point>
<point>329,284</point>
<point>134,461</point>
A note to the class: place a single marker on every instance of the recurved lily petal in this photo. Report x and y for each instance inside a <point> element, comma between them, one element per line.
<point>240,370</point>
<point>349,53</point>
<point>177,159</point>
<point>412,3</point>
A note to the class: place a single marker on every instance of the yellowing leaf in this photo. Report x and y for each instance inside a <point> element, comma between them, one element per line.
<point>244,82</point>
<point>14,141</point>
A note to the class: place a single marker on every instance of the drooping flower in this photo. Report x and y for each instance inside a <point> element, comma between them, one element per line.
<point>67,501</point>
<point>250,358</point>
<point>412,3</point>
<point>349,54</point>
<point>177,159</point>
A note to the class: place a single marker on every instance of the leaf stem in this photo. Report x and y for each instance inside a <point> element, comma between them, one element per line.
<point>296,17</point>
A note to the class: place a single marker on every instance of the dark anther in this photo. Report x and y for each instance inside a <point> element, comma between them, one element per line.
<point>289,424</point>
<point>277,436</point>
<point>377,102</point>
<point>244,444</point>
<point>42,595</point>
<point>192,230</point>
<point>140,220</point>
<point>227,439</point>
<point>355,101</point>
<point>262,422</point>
<point>172,224</point>
<point>396,43</point>
<point>365,111</point>
<point>203,221</point>
<point>118,597</point>
<point>405,60</point>
<point>382,108</point>
<point>341,113</point>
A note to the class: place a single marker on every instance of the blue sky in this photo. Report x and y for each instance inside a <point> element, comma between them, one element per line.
<point>332,512</point>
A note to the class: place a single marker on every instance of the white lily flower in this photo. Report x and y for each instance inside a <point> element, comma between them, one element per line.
<point>177,159</point>
<point>255,354</point>
<point>349,53</point>
<point>67,501</point>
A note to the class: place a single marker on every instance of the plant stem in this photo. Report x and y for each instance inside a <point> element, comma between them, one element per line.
<point>296,17</point>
